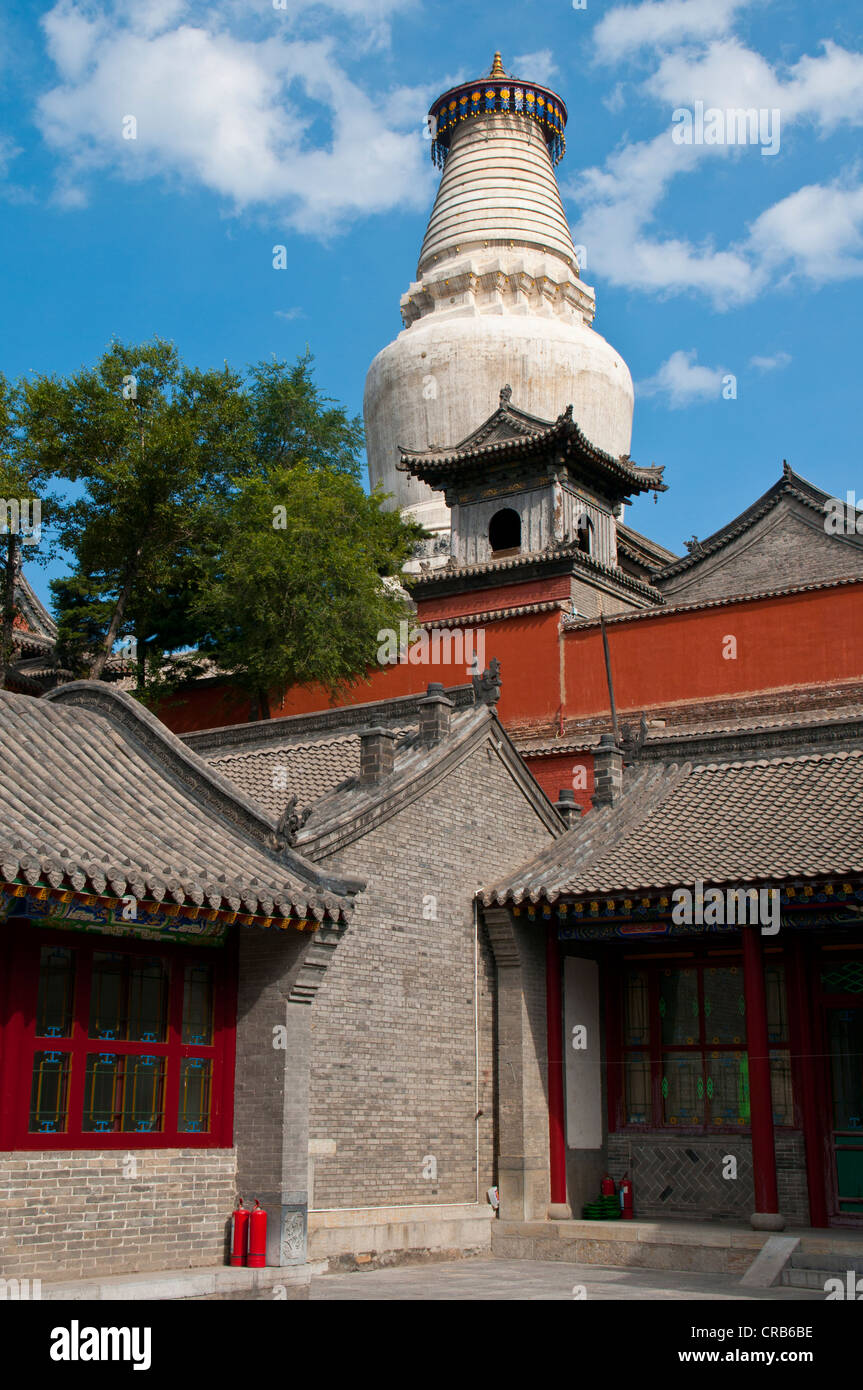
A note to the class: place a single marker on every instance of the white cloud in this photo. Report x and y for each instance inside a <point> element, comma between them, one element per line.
<point>770,364</point>
<point>535,67</point>
<point>616,98</point>
<point>369,19</point>
<point>618,203</point>
<point>827,88</point>
<point>813,233</point>
<point>682,381</point>
<point>661,23</point>
<point>8,151</point>
<point>71,38</point>
<point>295,313</point>
<point>816,232</point>
<point>256,122</point>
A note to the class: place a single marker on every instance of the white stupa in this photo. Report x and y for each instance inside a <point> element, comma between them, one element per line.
<point>498,298</point>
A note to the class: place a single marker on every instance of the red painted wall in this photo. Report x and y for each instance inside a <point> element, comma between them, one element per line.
<point>793,640</point>
<point>565,770</point>
<point>782,641</point>
<point>526,647</point>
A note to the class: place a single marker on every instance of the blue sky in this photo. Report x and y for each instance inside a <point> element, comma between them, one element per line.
<point>261,124</point>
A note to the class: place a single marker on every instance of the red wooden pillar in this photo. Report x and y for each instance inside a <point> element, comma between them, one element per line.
<point>554,1030</point>
<point>760,1099</point>
<point>800,958</point>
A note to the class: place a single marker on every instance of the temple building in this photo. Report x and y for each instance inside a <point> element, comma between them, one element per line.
<point>472,935</point>
<point>704,945</point>
<point>249,964</point>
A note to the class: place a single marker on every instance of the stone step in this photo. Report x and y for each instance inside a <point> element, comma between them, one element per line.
<point>641,1245</point>
<point>822,1260</point>
<point>214,1282</point>
<point>710,1247</point>
<point>810,1278</point>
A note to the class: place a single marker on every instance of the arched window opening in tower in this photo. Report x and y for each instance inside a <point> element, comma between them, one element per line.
<point>504,532</point>
<point>585,533</point>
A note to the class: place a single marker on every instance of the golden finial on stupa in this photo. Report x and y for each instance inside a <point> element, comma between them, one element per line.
<point>497,67</point>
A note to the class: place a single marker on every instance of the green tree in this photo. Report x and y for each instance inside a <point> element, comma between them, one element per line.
<point>296,592</point>
<point>151,442</point>
<point>293,422</point>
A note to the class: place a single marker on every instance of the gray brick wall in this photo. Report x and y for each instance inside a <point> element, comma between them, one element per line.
<point>265,1104</point>
<point>682,1176</point>
<point>787,546</point>
<point>278,974</point>
<point>67,1215</point>
<point>519,944</point>
<point>791,1178</point>
<point>392,1027</point>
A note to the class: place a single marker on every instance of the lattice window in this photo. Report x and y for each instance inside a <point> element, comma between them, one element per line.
<point>108,1044</point>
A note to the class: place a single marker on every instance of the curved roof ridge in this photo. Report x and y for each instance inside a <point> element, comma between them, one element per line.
<point>804,491</point>
<point>119,708</point>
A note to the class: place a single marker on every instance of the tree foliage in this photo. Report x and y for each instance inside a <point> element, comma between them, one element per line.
<point>215,512</point>
<point>294,592</point>
<point>151,442</point>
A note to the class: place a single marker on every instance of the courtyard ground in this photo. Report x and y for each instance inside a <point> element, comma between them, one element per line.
<point>494,1280</point>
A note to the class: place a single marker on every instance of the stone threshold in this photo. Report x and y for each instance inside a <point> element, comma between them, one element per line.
<point>210,1282</point>
<point>682,1245</point>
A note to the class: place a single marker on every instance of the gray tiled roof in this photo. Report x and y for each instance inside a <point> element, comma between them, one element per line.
<point>509,431</point>
<point>307,770</point>
<point>320,767</point>
<point>790,484</point>
<point>33,610</point>
<point>412,758</point>
<point>720,822</point>
<point>97,795</point>
<point>323,773</point>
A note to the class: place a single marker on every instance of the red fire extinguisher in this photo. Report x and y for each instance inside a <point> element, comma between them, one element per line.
<point>257,1236</point>
<point>239,1235</point>
<point>608,1189</point>
<point>627,1208</point>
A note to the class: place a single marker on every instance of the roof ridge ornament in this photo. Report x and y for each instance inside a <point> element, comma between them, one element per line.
<point>486,687</point>
<point>497,68</point>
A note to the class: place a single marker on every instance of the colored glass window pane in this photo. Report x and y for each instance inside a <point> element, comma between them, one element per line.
<point>777,1011</point>
<point>844,978</point>
<point>780,1089</point>
<point>678,1006</point>
<point>683,1088</point>
<point>103,1081</point>
<point>49,1093</point>
<point>194,1107</point>
<point>143,1094</point>
<point>106,995</point>
<point>128,997</point>
<point>845,1034</point>
<point>724,1005</point>
<point>636,1009</point>
<point>728,1088</point>
<point>123,1094</point>
<point>637,1089</point>
<point>56,992</point>
<point>148,999</point>
<point>198,1005</point>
